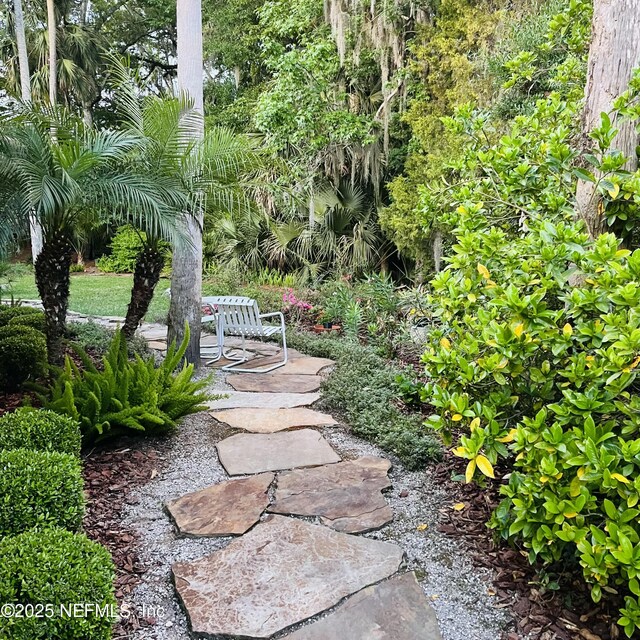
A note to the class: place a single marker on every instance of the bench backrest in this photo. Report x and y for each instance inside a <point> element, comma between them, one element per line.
<point>240,314</point>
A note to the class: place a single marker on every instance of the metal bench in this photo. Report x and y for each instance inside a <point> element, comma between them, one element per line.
<point>240,316</point>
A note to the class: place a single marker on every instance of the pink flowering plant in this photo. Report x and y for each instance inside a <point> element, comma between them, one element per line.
<point>295,308</point>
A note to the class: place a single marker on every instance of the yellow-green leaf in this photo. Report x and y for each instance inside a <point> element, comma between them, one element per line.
<point>471,469</point>
<point>459,506</point>
<point>456,417</point>
<point>567,330</point>
<point>445,344</point>
<point>510,437</point>
<point>615,191</point>
<point>620,478</point>
<point>574,487</point>
<point>485,466</point>
<point>475,423</point>
<point>519,330</point>
<point>422,527</point>
<point>483,271</point>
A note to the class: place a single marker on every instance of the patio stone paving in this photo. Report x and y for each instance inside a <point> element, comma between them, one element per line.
<point>272,420</point>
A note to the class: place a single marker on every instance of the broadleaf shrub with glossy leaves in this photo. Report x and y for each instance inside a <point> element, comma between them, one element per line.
<point>58,568</point>
<point>534,365</point>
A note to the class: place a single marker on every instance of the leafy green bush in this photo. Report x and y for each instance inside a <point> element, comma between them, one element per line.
<point>39,489</point>
<point>23,355</point>
<point>126,245</point>
<point>534,364</point>
<point>8,313</point>
<point>40,430</point>
<point>35,320</point>
<point>542,373</point>
<point>362,387</point>
<point>126,395</point>
<point>58,568</point>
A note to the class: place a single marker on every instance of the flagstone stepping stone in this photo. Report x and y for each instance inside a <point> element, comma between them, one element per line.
<point>229,508</point>
<point>153,334</point>
<point>396,609</point>
<point>157,345</point>
<point>282,572</point>
<point>306,366</point>
<point>272,420</point>
<point>246,453</point>
<point>236,399</point>
<point>347,496</point>
<point>270,383</point>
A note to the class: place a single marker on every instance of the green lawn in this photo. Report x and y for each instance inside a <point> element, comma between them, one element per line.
<point>98,295</point>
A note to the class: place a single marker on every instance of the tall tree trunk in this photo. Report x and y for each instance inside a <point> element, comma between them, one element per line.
<point>53,55</point>
<point>614,53</point>
<point>52,269</point>
<point>35,231</point>
<point>146,275</point>
<point>186,278</point>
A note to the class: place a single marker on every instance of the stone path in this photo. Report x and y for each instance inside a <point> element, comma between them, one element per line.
<point>282,570</point>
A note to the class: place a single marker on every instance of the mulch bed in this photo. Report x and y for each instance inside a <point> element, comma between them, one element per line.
<point>110,476</point>
<point>540,614</point>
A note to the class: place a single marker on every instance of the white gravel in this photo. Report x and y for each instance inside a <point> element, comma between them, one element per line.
<point>457,590</point>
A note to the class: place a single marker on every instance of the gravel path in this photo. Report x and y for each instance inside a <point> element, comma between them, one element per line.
<point>458,591</point>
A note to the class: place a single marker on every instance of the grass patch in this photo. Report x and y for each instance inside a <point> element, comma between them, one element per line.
<point>109,294</point>
<point>363,390</point>
<point>96,295</point>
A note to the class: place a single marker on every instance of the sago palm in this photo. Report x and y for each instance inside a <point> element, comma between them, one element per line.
<point>214,174</point>
<point>56,180</point>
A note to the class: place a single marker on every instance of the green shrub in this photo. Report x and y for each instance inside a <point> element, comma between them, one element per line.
<point>58,568</point>
<point>40,430</point>
<point>9,313</point>
<point>363,389</point>
<point>35,320</point>
<point>23,355</point>
<point>126,395</point>
<point>39,489</point>
<point>126,245</point>
<point>97,338</point>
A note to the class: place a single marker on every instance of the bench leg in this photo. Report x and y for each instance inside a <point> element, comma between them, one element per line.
<point>235,368</point>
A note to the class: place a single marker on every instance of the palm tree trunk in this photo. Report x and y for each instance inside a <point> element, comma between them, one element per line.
<point>52,269</point>
<point>146,275</point>
<point>614,53</point>
<point>53,56</point>
<point>35,231</point>
<point>186,277</point>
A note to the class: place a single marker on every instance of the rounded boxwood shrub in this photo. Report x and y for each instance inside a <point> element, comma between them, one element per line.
<point>57,568</point>
<point>41,430</point>
<point>9,313</point>
<point>35,320</point>
<point>23,355</point>
<point>39,489</point>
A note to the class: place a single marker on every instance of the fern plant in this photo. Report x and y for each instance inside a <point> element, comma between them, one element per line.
<point>126,395</point>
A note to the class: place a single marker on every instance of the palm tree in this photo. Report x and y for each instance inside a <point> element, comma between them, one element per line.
<point>186,277</point>
<point>212,172</point>
<point>58,180</point>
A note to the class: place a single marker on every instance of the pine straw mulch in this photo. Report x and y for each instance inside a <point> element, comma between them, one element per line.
<point>540,614</point>
<point>110,476</point>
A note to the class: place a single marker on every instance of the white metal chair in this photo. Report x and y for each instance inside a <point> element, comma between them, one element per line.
<point>240,316</point>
